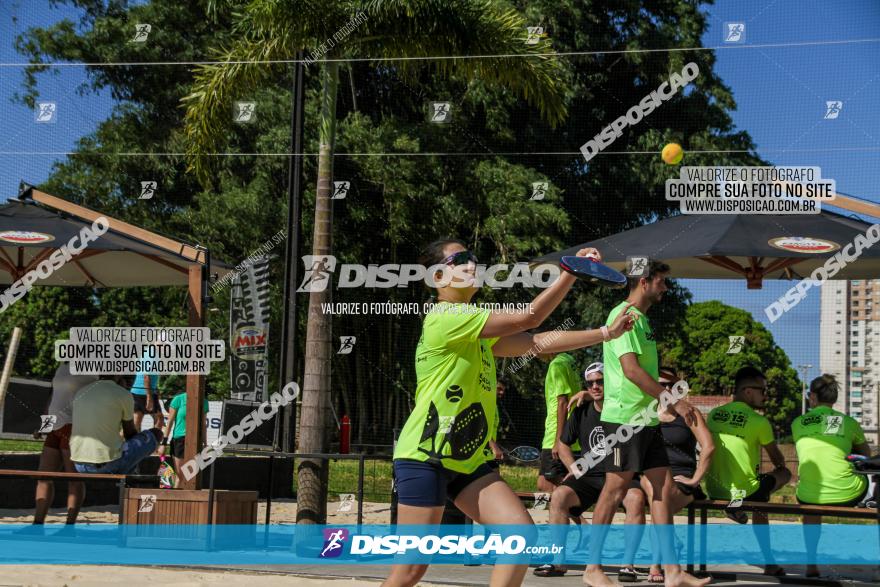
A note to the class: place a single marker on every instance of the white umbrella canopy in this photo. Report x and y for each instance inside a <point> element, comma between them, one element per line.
<point>124,256</point>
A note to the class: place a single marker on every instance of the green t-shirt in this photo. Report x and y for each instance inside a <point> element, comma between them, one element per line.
<point>739,433</point>
<point>454,415</point>
<point>624,401</point>
<point>179,404</point>
<point>561,380</point>
<point>823,438</point>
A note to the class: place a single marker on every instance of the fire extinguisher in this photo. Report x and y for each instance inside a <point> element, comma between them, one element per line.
<point>345,435</point>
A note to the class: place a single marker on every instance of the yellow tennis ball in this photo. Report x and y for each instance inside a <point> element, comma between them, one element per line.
<point>672,153</point>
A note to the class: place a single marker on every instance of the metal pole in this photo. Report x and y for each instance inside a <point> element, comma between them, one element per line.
<point>804,371</point>
<point>360,490</point>
<point>291,255</point>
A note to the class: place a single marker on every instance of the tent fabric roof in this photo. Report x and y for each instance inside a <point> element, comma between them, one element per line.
<point>30,232</point>
<point>690,244</point>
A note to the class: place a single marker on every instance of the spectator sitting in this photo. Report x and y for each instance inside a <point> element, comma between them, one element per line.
<point>739,434</point>
<point>100,411</point>
<point>56,448</point>
<point>823,438</point>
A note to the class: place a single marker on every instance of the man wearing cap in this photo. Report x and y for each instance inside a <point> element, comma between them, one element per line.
<point>562,381</point>
<point>577,494</point>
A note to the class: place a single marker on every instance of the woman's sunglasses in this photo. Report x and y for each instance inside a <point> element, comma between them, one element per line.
<point>460,258</point>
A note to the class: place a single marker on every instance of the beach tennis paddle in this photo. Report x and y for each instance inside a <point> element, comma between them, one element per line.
<point>523,454</point>
<point>592,271</point>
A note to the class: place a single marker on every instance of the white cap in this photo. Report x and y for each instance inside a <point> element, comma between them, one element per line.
<point>594,368</point>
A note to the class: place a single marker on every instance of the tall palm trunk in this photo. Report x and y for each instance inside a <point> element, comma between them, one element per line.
<point>312,474</point>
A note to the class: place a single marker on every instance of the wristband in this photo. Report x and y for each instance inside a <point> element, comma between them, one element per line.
<point>606,336</point>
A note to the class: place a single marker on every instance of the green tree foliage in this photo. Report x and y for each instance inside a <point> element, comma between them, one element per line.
<point>397,203</point>
<point>702,356</point>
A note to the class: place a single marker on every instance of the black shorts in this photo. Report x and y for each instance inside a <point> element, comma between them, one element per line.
<point>587,488</point>
<point>846,504</point>
<point>767,483</point>
<point>639,452</point>
<point>140,404</point>
<point>177,446</point>
<point>426,485</point>
<point>695,492</point>
<point>552,469</point>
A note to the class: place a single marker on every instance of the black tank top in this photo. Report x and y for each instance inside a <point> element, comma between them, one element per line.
<point>681,446</point>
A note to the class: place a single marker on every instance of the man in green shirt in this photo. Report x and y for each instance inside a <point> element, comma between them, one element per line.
<point>739,433</point>
<point>629,414</point>
<point>562,381</point>
<point>823,438</point>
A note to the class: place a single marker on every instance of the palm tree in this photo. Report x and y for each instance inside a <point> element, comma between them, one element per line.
<point>395,31</point>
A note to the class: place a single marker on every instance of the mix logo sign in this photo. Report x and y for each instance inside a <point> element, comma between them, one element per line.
<point>319,270</point>
<point>334,541</point>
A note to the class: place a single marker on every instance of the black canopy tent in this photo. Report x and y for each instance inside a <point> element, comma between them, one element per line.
<point>754,246</point>
<point>36,224</point>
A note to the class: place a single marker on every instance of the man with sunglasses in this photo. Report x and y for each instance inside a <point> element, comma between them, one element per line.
<point>577,494</point>
<point>740,433</point>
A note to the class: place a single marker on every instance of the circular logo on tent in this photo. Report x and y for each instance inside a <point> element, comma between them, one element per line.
<point>803,244</point>
<point>25,237</point>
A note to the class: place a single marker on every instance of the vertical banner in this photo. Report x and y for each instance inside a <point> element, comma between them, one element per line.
<point>249,329</point>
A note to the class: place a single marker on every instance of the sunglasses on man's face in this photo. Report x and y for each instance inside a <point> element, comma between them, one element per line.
<point>763,390</point>
<point>594,382</point>
<point>460,258</point>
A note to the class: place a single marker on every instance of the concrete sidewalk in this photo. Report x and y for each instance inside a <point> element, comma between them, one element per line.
<point>459,575</point>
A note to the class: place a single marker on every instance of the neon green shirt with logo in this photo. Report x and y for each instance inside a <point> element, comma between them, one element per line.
<point>455,412</point>
<point>561,380</point>
<point>823,438</point>
<point>624,401</point>
<point>739,433</point>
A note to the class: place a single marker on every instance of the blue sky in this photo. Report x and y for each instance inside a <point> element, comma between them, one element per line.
<point>780,93</point>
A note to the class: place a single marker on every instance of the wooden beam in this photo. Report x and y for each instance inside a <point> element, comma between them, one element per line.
<point>163,242</point>
<point>86,274</point>
<point>165,262</point>
<point>725,263</point>
<point>854,205</point>
<point>195,384</point>
<point>42,255</point>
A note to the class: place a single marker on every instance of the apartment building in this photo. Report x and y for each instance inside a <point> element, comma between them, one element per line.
<point>849,331</point>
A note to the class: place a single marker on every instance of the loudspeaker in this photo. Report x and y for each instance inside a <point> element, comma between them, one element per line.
<point>263,437</point>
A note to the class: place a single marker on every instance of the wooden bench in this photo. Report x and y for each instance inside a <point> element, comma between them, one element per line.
<point>121,480</point>
<point>769,508</point>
